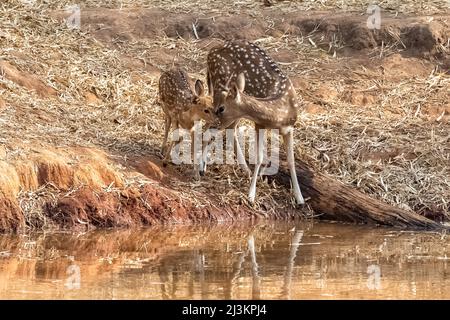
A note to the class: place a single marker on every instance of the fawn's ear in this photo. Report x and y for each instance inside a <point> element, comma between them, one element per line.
<point>199,88</point>
<point>240,82</point>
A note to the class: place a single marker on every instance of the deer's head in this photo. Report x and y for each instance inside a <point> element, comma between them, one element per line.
<point>230,101</point>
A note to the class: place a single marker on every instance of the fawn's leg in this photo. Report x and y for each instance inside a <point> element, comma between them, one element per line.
<point>194,155</point>
<point>204,162</point>
<point>204,155</point>
<point>259,160</point>
<point>167,124</point>
<point>169,150</point>
<point>237,150</point>
<point>289,141</point>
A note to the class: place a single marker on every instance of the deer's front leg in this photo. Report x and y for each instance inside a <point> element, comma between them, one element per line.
<point>259,159</point>
<point>240,157</point>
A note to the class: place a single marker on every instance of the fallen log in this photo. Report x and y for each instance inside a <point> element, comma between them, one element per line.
<point>333,200</point>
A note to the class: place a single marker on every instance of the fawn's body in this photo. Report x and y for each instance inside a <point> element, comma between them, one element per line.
<point>183,105</point>
<point>246,83</point>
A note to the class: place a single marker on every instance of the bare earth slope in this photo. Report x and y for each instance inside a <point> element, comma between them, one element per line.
<point>80,128</point>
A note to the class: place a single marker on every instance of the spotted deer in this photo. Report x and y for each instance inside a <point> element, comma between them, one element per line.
<point>183,105</point>
<point>246,83</point>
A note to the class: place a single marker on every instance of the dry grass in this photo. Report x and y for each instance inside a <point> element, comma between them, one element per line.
<point>33,205</point>
<point>186,6</point>
<point>127,122</point>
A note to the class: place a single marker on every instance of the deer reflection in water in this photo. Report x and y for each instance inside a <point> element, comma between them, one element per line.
<point>226,262</point>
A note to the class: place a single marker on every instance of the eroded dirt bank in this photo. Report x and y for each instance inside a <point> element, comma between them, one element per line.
<point>80,188</point>
<point>80,129</point>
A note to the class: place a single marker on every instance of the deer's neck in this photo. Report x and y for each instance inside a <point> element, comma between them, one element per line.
<point>269,113</point>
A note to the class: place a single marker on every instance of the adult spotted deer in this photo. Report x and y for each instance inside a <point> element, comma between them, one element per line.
<point>246,83</point>
<point>183,105</point>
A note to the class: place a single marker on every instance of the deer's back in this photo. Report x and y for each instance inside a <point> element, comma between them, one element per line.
<point>264,78</point>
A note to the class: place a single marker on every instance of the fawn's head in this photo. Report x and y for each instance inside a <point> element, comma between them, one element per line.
<point>202,105</point>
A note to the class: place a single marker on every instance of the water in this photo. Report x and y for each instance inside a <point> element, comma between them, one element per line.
<point>264,261</point>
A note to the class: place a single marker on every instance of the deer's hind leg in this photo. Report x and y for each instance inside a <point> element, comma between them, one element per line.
<point>288,138</point>
<point>259,159</point>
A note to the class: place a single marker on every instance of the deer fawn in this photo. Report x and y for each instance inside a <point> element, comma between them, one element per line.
<point>183,107</point>
<point>246,83</point>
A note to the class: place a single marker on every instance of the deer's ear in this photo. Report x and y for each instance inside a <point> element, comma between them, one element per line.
<point>235,92</point>
<point>240,82</point>
<point>199,88</point>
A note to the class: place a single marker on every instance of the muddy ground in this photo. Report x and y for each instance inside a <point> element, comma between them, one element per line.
<point>80,128</point>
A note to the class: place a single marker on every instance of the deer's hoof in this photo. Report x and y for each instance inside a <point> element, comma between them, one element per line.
<point>299,201</point>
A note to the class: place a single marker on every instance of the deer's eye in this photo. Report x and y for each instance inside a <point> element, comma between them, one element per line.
<point>220,110</point>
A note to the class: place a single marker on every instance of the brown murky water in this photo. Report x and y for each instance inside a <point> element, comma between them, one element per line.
<point>267,261</point>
